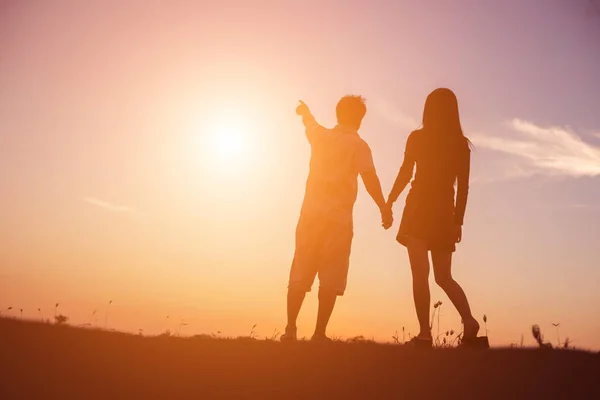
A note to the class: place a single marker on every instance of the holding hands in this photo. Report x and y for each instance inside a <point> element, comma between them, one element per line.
<point>387,216</point>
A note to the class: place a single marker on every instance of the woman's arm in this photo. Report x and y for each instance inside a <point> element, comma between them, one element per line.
<point>462,190</point>
<point>405,174</point>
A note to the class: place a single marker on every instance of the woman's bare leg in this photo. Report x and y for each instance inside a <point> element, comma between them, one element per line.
<point>419,264</point>
<point>442,269</point>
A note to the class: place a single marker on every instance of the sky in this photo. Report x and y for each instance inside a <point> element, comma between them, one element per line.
<point>150,156</point>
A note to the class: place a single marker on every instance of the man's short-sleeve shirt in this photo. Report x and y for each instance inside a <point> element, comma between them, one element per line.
<point>338,156</point>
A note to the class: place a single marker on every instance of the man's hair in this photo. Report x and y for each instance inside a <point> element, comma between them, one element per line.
<point>351,110</point>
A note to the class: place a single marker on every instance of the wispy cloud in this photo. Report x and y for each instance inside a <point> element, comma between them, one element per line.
<point>582,206</point>
<point>547,150</point>
<point>390,113</point>
<point>108,206</point>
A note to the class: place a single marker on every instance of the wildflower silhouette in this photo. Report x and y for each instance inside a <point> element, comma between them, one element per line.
<point>557,325</point>
<point>106,316</point>
<point>485,323</point>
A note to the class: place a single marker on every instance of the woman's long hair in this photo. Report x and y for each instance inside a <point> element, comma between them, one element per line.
<point>440,115</point>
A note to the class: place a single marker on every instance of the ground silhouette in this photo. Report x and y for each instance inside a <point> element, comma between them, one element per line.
<point>40,360</point>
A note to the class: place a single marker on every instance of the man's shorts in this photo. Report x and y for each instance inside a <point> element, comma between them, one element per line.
<point>322,248</point>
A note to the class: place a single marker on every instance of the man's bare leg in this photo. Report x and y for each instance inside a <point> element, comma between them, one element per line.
<point>327,298</point>
<point>295,298</point>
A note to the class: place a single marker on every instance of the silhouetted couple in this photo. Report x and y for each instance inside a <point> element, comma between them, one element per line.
<point>431,222</point>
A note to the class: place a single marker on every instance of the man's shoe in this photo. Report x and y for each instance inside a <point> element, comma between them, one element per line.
<point>289,336</point>
<point>420,342</point>
<point>320,339</point>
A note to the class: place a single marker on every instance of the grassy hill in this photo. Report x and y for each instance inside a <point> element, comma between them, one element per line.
<point>43,361</point>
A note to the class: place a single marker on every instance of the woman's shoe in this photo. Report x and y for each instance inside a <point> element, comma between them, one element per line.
<point>471,330</point>
<point>478,342</point>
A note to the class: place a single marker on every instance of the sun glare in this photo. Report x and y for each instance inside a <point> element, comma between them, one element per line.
<point>224,141</point>
<point>228,141</point>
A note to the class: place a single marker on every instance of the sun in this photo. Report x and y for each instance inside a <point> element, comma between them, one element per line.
<point>228,141</point>
<point>224,140</point>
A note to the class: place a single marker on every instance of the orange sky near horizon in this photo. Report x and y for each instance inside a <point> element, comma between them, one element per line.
<point>150,156</point>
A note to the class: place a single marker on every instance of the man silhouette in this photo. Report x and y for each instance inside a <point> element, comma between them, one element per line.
<point>325,228</point>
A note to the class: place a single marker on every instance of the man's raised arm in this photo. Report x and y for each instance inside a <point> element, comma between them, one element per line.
<point>312,128</point>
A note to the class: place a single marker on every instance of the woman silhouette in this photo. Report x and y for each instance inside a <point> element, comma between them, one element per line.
<point>431,222</point>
